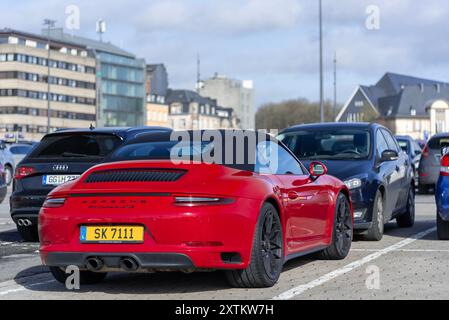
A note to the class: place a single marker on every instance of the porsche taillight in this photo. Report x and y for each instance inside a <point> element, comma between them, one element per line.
<point>444,169</point>
<point>199,200</point>
<point>54,202</point>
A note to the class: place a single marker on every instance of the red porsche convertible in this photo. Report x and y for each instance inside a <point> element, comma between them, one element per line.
<point>169,205</point>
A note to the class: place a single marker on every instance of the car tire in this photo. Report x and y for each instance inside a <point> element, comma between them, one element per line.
<point>442,228</point>
<point>376,232</point>
<point>342,231</point>
<point>28,233</point>
<point>86,277</point>
<point>266,255</point>
<point>407,220</point>
<point>8,175</point>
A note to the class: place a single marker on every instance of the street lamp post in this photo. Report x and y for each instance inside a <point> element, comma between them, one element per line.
<point>50,24</point>
<point>321,64</point>
<point>334,115</point>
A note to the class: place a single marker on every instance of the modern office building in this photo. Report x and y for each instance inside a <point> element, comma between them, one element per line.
<point>190,111</point>
<point>120,81</point>
<point>24,84</point>
<point>231,93</point>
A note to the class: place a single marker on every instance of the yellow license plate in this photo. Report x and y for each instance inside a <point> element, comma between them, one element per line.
<point>111,234</point>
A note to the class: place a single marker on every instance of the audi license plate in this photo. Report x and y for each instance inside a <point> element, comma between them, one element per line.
<point>111,234</point>
<point>56,180</point>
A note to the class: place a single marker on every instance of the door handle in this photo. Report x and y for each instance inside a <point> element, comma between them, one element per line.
<point>292,195</point>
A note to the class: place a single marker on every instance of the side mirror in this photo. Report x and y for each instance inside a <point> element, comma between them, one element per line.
<point>317,169</point>
<point>418,152</point>
<point>389,155</point>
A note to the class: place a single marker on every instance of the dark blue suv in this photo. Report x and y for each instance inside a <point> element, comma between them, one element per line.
<point>60,157</point>
<point>370,161</point>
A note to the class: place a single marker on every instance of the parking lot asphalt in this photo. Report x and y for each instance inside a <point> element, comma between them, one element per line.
<point>406,264</point>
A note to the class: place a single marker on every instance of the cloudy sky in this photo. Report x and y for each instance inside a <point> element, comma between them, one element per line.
<point>273,42</point>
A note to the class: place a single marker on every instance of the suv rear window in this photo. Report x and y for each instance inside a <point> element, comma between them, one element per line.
<point>76,146</point>
<point>438,143</point>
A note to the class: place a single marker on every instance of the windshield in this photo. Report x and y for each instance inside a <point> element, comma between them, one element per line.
<point>329,144</point>
<point>76,146</point>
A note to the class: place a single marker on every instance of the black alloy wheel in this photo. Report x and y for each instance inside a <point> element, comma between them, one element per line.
<point>267,254</point>
<point>342,232</point>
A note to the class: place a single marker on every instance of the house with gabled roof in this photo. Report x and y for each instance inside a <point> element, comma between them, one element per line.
<point>188,110</point>
<point>406,105</point>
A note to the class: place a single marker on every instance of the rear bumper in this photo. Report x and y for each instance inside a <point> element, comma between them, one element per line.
<point>430,177</point>
<point>26,207</point>
<point>174,261</point>
<point>211,237</point>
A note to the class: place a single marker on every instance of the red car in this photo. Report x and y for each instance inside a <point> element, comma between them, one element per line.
<point>147,212</point>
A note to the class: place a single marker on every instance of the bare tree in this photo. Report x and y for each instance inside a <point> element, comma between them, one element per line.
<point>291,112</point>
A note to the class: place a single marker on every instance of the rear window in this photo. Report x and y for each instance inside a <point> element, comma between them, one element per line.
<point>76,146</point>
<point>438,143</point>
<point>163,150</point>
<point>20,149</point>
<point>240,157</point>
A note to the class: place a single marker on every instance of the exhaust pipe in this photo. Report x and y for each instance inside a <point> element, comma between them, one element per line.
<point>94,264</point>
<point>24,222</point>
<point>129,264</point>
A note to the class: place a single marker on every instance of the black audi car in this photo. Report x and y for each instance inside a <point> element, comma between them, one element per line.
<point>370,161</point>
<point>60,157</point>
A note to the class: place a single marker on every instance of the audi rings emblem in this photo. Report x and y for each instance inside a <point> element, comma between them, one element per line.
<point>60,167</point>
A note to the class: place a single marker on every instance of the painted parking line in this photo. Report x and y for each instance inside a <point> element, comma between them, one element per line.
<point>18,287</point>
<point>18,244</point>
<point>404,250</point>
<point>20,256</point>
<point>296,291</point>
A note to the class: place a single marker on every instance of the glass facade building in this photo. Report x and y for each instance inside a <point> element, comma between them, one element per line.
<point>120,82</point>
<point>122,90</point>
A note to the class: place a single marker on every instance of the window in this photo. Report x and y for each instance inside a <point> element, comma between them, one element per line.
<point>20,149</point>
<point>76,147</point>
<point>322,144</point>
<point>382,144</point>
<point>391,142</point>
<point>404,145</point>
<point>438,143</point>
<point>417,125</point>
<point>273,158</point>
<point>358,104</point>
